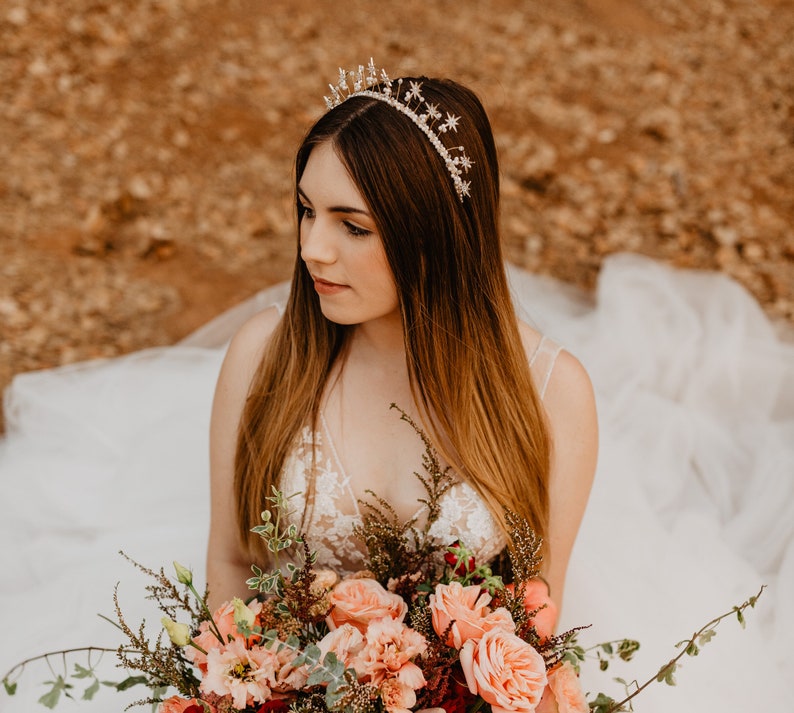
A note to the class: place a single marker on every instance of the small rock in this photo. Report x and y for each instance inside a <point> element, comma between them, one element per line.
<point>606,136</point>
<point>725,235</point>
<point>139,188</point>
<point>663,123</point>
<point>18,16</point>
<point>181,138</point>
<point>753,251</point>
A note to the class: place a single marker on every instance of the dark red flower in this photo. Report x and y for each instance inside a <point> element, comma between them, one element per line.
<point>274,706</point>
<point>456,557</point>
<point>459,699</point>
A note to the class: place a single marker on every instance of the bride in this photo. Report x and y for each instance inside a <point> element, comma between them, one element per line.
<point>399,296</point>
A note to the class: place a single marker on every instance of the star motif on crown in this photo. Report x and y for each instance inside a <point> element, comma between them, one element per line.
<point>370,82</point>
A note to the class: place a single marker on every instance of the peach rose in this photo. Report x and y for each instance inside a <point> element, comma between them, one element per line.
<point>359,601</point>
<point>467,607</point>
<point>536,595</point>
<point>505,670</point>
<point>177,704</point>
<point>566,688</point>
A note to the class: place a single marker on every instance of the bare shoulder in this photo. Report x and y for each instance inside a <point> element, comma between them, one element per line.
<point>569,385</point>
<point>242,358</point>
<point>248,344</point>
<point>570,407</point>
<point>530,338</point>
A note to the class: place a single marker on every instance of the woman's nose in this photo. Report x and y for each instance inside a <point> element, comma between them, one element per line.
<point>317,242</point>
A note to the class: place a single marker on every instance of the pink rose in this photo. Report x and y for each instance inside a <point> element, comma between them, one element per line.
<point>565,690</point>
<point>468,608</point>
<point>359,601</point>
<point>388,652</point>
<point>536,595</point>
<point>177,704</point>
<point>505,670</point>
<point>396,696</point>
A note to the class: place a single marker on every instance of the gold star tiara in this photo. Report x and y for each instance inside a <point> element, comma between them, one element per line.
<point>369,82</point>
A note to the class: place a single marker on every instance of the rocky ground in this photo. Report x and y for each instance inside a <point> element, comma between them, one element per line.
<point>146,145</point>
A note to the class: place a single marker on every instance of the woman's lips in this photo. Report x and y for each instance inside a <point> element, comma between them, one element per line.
<point>324,287</point>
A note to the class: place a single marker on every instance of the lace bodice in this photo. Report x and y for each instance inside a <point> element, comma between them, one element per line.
<point>334,510</point>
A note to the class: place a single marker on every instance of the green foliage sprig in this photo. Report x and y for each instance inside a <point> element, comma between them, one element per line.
<point>666,674</point>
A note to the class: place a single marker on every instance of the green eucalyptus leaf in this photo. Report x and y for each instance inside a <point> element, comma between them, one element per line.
<point>51,698</point>
<point>11,688</point>
<point>82,671</point>
<point>666,674</point>
<point>317,677</point>
<point>602,703</point>
<point>130,682</point>
<point>627,648</point>
<point>91,691</point>
<point>706,636</point>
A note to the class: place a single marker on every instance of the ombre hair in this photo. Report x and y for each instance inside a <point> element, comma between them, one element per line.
<point>467,367</point>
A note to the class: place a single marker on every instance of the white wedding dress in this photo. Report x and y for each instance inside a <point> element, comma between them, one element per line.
<point>691,512</point>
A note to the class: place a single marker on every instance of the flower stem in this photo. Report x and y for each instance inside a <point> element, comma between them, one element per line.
<point>670,665</point>
<point>62,652</point>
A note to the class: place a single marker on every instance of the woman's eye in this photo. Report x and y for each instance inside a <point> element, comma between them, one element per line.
<point>356,230</point>
<point>306,212</point>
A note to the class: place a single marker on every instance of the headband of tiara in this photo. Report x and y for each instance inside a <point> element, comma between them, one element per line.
<point>368,82</point>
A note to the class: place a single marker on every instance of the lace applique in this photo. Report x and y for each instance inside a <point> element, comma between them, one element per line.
<point>335,512</point>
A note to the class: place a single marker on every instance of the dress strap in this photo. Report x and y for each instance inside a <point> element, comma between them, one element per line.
<point>542,361</point>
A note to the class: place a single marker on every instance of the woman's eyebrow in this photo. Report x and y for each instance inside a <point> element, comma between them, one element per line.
<point>337,208</point>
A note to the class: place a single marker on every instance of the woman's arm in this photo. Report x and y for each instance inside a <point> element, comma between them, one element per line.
<point>570,404</point>
<point>227,565</point>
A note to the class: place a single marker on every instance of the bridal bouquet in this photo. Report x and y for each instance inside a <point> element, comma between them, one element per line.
<point>422,628</point>
<point>319,643</point>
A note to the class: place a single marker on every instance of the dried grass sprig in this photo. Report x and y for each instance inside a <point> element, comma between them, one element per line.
<point>397,547</point>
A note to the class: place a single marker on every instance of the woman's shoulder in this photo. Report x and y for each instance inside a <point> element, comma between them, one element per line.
<point>560,378</point>
<point>246,349</point>
<point>250,340</point>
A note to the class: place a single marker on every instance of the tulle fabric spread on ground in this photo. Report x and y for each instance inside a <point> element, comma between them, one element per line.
<point>692,508</point>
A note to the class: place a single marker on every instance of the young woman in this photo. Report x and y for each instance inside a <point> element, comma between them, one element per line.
<point>399,295</point>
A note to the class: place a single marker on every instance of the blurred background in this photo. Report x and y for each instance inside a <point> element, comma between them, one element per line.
<point>147,146</point>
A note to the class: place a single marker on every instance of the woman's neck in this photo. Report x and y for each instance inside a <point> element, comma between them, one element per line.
<point>380,341</point>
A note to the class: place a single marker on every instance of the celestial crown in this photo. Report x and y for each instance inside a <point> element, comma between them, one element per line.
<point>369,82</point>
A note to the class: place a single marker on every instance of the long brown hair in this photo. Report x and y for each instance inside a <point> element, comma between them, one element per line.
<point>466,364</point>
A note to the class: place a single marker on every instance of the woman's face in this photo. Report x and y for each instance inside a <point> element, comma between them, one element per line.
<point>340,246</point>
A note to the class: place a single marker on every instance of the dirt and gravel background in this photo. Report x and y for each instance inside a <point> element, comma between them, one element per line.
<point>146,146</point>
